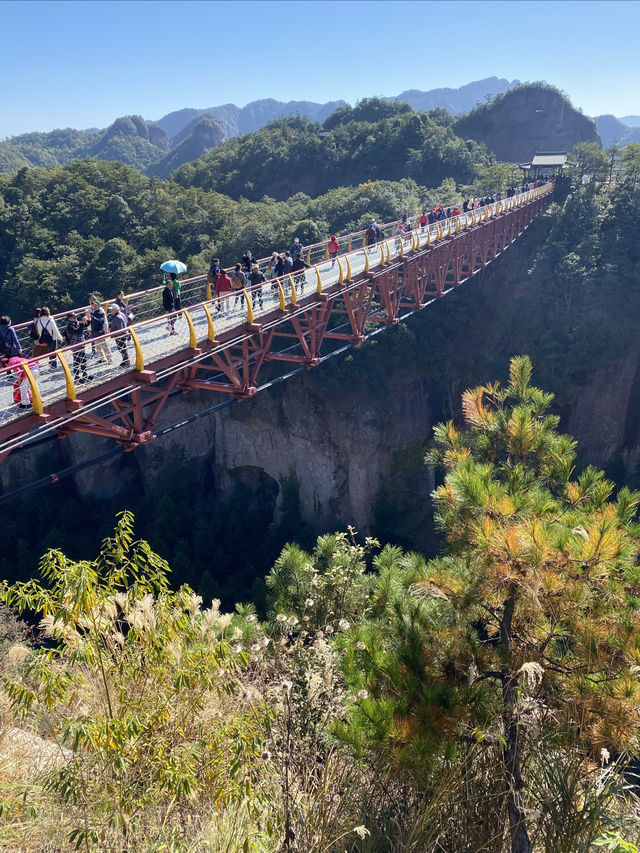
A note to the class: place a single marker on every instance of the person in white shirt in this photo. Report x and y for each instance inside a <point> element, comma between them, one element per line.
<point>48,336</point>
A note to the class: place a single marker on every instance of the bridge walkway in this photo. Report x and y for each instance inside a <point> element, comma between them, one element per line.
<point>220,344</point>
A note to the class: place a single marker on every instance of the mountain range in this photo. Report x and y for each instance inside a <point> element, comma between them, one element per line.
<point>161,146</point>
<point>158,147</point>
<point>623,131</point>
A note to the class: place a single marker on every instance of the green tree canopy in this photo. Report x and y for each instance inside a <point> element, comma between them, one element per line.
<point>530,624</point>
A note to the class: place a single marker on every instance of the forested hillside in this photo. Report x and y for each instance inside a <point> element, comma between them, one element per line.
<point>125,139</point>
<point>96,226</point>
<point>376,140</point>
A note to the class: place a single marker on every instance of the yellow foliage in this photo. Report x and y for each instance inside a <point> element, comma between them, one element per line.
<point>473,409</point>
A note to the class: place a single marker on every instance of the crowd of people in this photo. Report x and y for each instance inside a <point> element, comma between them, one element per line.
<point>79,328</point>
<point>95,322</point>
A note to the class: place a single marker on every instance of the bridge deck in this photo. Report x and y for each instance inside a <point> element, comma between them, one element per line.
<point>221,344</point>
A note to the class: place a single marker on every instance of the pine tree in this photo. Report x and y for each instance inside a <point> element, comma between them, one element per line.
<point>529,627</point>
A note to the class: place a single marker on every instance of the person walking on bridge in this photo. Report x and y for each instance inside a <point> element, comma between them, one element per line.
<point>125,307</point>
<point>238,283</point>
<point>32,330</point>
<point>371,234</point>
<point>99,327</point>
<point>333,247</point>
<point>177,289</point>
<point>271,266</point>
<point>118,325</point>
<point>278,267</point>
<point>8,339</point>
<point>298,266</point>
<point>49,334</point>
<point>247,261</point>
<point>75,332</point>
<point>296,247</point>
<point>168,305</point>
<point>222,284</point>
<point>256,279</point>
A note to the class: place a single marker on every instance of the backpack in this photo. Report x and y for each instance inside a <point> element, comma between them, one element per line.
<point>238,281</point>
<point>33,331</point>
<point>46,337</point>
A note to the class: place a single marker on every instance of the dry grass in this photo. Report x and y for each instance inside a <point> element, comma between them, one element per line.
<point>304,794</point>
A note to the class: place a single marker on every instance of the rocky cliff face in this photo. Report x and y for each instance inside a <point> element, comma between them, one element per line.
<point>526,119</point>
<point>204,134</point>
<point>344,453</point>
<point>341,453</point>
<point>354,438</point>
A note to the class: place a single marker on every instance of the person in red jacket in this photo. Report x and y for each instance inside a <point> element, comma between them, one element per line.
<point>333,248</point>
<point>222,285</point>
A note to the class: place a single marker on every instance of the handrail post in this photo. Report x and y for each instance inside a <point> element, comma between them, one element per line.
<point>68,378</point>
<point>294,295</point>
<point>283,301</point>
<point>193,340</point>
<point>211,335</point>
<point>249,306</point>
<point>318,280</point>
<point>138,349</point>
<point>36,399</point>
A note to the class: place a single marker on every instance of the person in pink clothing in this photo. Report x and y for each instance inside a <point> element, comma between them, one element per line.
<point>22,389</point>
<point>333,247</point>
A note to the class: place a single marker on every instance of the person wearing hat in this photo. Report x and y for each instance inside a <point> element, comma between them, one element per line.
<point>333,247</point>
<point>371,234</point>
<point>118,325</point>
<point>296,247</point>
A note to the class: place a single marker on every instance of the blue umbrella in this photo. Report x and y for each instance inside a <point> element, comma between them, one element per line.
<point>173,266</point>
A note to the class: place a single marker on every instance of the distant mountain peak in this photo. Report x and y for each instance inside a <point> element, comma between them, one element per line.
<point>459,100</point>
<point>254,115</point>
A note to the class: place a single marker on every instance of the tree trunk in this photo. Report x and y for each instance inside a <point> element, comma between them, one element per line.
<point>520,842</point>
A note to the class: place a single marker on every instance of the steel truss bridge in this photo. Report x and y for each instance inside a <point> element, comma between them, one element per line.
<point>222,344</point>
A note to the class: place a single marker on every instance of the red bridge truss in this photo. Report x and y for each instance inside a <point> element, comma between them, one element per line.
<point>222,345</point>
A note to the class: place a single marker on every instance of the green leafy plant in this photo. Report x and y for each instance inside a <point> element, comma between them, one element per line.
<point>122,685</point>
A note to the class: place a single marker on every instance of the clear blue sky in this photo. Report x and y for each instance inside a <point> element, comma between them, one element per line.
<point>83,64</point>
